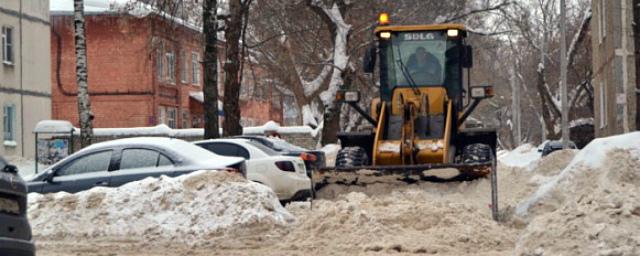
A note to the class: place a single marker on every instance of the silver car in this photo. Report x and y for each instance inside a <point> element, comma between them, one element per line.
<point>114,163</point>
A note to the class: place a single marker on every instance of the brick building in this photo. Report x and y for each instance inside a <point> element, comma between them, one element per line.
<point>616,70</point>
<point>143,70</point>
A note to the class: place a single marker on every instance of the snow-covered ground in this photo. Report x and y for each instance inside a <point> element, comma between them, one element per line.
<point>567,203</point>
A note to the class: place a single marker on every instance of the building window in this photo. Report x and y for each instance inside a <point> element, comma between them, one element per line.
<point>185,67</point>
<point>195,68</point>
<point>185,119</point>
<point>162,115</point>
<point>9,120</point>
<point>171,117</point>
<point>171,66</point>
<point>603,106</point>
<point>159,64</point>
<point>7,45</point>
<point>602,20</point>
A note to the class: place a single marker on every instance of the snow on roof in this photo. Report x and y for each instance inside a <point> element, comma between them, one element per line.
<point>199,96</point>
<point>131,7</point>
<point>273,126</point>
<point>53,126</point>
<point>581,121</point>
<point>591,157</point>
<point>181,147</point>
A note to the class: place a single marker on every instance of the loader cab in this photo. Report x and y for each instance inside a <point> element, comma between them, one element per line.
<point>421,56</point>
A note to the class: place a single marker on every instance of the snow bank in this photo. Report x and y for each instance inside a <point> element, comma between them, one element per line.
<point>190,209</point>
<point>522,156</point>
<point>409,221</point>
<point>592,207</point>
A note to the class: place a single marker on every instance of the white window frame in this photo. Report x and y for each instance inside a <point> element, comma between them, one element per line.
<point>170,57</point>
<point>9,120</point>
<point>602,28</point>
<point>8,57</point>
<point>160,64</point>
<point>184,73</point>
<point>172,117</point>
<point>162,115</point>
<point>603,105</point>
<point>185,120</point>
<point>195,65</point>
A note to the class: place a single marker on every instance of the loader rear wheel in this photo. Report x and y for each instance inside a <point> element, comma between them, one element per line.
<point>351,157</point>
<point>476,153</point>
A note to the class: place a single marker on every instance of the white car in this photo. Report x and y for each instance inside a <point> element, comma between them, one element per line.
<point>286,175</point>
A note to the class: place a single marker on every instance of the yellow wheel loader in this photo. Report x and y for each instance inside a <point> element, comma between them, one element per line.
<point>418,117</point>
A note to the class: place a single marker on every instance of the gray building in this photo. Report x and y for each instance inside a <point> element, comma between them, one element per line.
<point>615,66</point>
<point>25,73</point>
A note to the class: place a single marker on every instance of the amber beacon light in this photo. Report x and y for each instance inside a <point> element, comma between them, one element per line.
<point>383,19</point>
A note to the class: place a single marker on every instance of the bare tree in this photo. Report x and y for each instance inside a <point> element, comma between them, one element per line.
<point>82,77</point>
<point>210,88</point>
<point>235,26</point>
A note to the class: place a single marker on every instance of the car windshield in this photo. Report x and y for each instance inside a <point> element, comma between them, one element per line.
<point>263,148</point>
<point>3,163</point>
<point>282,145</point>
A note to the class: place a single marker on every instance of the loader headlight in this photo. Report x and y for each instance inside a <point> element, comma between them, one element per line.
<point>452,33</point>
<point>348,96</point>
<point>385,35</point>
<point>481,91</point>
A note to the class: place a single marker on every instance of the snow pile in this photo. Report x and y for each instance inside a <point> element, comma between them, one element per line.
<point>522,156</point>
<point>407,221</point>
<point>592,207</point>
<point>191,209</point>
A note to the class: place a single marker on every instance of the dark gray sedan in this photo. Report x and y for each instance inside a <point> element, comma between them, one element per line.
<point>114,163</point>
<point>15,232</point>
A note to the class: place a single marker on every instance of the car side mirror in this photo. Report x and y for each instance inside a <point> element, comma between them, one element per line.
<point>369,61</point>
<point>10,168</point>
<point>467,56</point>
<point>48,177</point>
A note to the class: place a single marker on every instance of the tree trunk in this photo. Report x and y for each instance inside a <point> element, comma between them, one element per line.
<point>84,104</point>
<point>210,88</point>
<point>636,32</point>
<point>232,33</point>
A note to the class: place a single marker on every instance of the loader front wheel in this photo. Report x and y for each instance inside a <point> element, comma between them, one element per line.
<point>351,157</point>
<point>476,153</point>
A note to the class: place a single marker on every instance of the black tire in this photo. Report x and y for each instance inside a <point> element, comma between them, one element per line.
<point>351,157</point>
<point>476,153</point>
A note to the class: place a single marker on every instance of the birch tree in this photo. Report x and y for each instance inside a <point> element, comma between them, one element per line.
<point>84,104</point>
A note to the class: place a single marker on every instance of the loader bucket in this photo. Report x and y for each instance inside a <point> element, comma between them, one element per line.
<point>402,175</point>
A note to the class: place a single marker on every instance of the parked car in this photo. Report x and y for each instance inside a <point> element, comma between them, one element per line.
<point>114,163</point>
<point>554,145</point>
<point>286,175</point>
<point>15,231</point>
<point>313,159</point>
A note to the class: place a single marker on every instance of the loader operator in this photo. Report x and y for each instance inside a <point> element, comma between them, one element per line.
<point>424,68</point>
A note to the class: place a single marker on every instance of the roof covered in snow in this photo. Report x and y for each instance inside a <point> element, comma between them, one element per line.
<point>53,126</point>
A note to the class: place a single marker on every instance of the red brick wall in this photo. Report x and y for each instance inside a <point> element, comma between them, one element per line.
<point>119,64</point>
<point>123,84</point>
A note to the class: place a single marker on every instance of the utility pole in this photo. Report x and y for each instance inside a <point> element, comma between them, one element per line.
<point>563,74</point>
<point>515,108</point>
